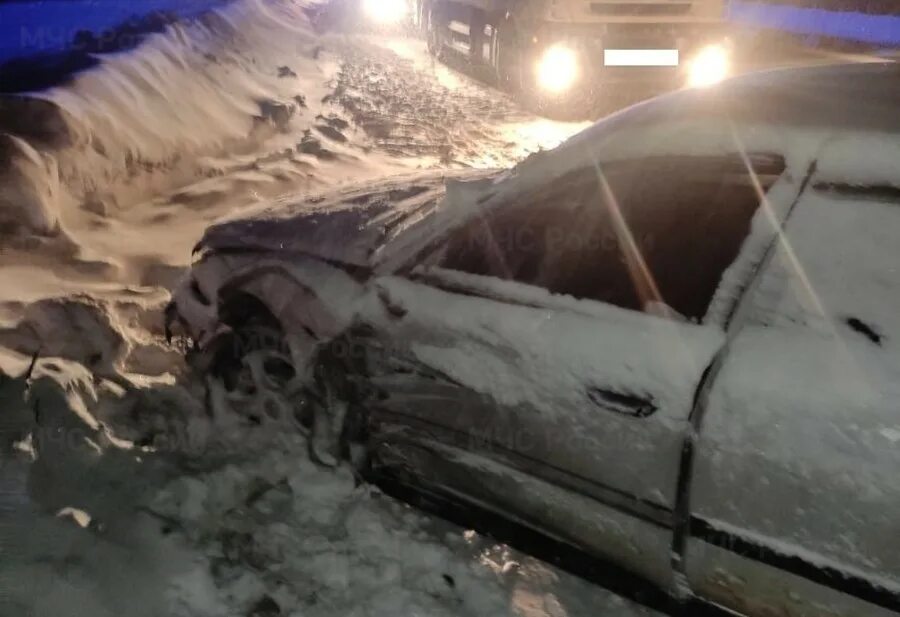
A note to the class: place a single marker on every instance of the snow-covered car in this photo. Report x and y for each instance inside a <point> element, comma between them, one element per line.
<point>673,342</point>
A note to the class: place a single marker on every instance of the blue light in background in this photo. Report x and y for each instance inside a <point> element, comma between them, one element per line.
<point>862,27</point>
<point>29,27</point>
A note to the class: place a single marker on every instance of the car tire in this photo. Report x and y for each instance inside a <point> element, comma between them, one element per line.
<point>249,362</point>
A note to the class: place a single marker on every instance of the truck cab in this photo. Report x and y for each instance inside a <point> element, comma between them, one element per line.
<point>565,52</point>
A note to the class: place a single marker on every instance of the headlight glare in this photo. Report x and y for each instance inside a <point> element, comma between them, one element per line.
<point>557,69</point>
<point>386,11</point>
<point>710,66</point>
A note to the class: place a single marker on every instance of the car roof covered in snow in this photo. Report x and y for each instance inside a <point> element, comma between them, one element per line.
<point>862,96</point>
<point>843,117</point>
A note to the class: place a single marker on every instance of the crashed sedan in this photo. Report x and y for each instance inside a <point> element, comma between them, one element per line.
<point>672,342</point>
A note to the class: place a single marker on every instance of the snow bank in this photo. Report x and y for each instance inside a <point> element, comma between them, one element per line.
<point>140,120</point>
<point>29,188</point>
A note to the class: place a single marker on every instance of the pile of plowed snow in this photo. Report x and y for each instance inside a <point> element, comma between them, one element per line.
<point>141,121</point>
<point>108,180</point>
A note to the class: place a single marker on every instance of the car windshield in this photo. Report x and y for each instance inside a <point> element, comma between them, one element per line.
<point>470,308</point>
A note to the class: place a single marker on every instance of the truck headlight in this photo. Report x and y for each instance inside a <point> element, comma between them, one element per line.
<point>386,11</point>
<point>557,69</point>
<point>710,66</point>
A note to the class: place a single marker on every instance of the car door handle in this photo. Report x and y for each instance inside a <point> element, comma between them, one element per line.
<point>624,403</point>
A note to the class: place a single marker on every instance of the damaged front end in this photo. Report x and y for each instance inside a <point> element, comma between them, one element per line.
<point>266,335</point>
<point>273,299</point>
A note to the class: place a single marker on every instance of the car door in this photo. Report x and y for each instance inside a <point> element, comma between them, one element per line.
<point>544,358</point>
<point>795,496</point>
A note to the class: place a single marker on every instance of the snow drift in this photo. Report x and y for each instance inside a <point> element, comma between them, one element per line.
<point>140,120</point>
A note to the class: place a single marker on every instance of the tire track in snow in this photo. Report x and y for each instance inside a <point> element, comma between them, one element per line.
<point>411,106</point>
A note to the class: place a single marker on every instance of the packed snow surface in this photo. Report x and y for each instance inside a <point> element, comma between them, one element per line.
<point>235,520</point>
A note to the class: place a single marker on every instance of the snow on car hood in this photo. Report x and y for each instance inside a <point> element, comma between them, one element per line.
<point>348,226</point>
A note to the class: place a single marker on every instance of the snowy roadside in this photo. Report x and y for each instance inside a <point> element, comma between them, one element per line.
<point>235,520</point>
<point>118,494</point>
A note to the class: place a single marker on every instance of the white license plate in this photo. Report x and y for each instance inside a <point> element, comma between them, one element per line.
<point>640,57</point>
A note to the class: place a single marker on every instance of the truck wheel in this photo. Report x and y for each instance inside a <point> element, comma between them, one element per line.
<point>509,62</point>
<point>420,20</point>
<point>435,29</point>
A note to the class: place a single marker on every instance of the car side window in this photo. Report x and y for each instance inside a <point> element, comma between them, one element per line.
<point>630,233</point>
<point>837,266</point>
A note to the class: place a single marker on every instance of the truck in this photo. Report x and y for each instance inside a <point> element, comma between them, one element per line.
<point>615,51</point>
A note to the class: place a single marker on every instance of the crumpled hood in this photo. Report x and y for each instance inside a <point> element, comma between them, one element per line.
<point>346,226</point>
<point>341,228</point>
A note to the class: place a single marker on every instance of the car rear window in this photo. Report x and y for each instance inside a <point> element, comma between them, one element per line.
<point>631,233</point>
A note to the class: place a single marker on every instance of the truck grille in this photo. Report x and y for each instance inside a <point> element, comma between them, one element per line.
<point>612,8</point>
